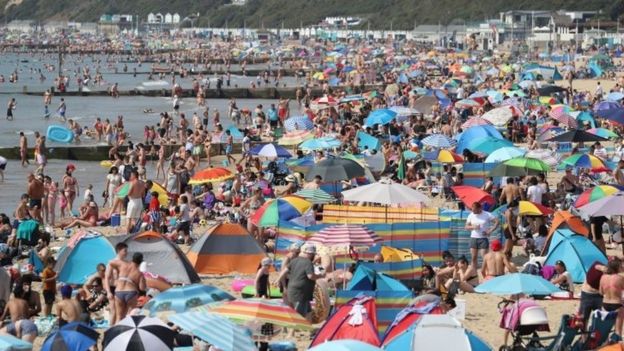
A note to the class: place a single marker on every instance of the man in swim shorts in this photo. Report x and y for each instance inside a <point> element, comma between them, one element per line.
<point>135,200</point>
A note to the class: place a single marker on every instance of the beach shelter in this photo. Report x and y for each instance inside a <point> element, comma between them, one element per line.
<point>163,257</point>
<point>408,316</point>
<point>473,133</point>
<point>354,320</point>
<point>226,248</point>
<point>79,258</point>
<point>437,333</point>
<point>365,278</point>
<point>577,251</point>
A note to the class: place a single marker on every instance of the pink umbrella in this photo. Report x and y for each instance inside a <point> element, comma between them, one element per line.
<point>475,121</point>
<point>564,118</point>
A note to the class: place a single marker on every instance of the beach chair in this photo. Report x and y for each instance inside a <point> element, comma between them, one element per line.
<point>601,325</point>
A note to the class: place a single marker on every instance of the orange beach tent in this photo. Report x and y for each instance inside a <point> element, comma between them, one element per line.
<point>226,248</point>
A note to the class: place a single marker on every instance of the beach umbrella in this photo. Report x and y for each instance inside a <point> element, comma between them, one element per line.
<point>352,98</point>
<point>280,209</point>
<point>316,196</point>
<point>475,121</point>
<point>615,96</point>
<point>269,150</point>
<point>504,154</point>
<point>409,154</point>
<point>436,332</point>
<point>295,137</point>
<point>215,330</point>
<point>208,175</point>
<point>262,310</point>
<point>380,116</point>
<point>499,116</point>
<point>549,157</point>
<point>603,132</point>
<point>517,283</point>
<point>438,141</point>
<point>565,119</point>
<point>10,343</point>
<point>322,143</point>
<point>326,100</point>
<point>138,333</point>
<point>298,123</point>
<point>348,235</point>
<point>528,208</point>
<point>404,112</point>
<point>470,194</point>
<point>385,192</point>
<point>488,144</point>
<point>504,170</point>
<point>183,298</point>
<point>596,193</point>
<point>550,89</point>
<point>610,110</point>
<point>587,161</point>
<point>334,169</point>
<point>82,329</point>
<point>612,205</point>
<point>467,103</point>
<point>444,156</point>
<point>528,164</point>
<point>576,136</point>
<point>345,345</point>
<point>301,164</point>
<point>67,340</point>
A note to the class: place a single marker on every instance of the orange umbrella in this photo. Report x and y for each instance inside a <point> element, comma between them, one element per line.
<point>573,222</point>
<point>208,175</point>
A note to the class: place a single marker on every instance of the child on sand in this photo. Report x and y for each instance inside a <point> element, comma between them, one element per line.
<point>48,278</point>
<point>262,278</point>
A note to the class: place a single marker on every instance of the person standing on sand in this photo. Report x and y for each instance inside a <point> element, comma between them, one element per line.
<point>23,145</point>
<point>129,283</point>
<point>35,191</point>
<point>110,278</point>
<point>135,200</point>
<point>481,225</point>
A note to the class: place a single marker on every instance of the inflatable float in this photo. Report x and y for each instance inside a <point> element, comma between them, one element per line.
<point>106,164</point>
<point>59,134</point>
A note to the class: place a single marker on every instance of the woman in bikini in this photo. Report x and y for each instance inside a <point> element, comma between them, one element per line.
<point>465,277</point>
<point>611,287</point>
<point>87,219</point>
<point>129,283</point>
<point>70,187</point>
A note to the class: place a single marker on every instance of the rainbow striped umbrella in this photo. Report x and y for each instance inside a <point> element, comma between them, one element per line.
<point>262,310</point>
<point>587,161</point>
<point>596,193</point>
<point>346,235</point>
<point>528,208</point>
<point>295,137</point>
<point>208,175</point>
<point>281,209</point>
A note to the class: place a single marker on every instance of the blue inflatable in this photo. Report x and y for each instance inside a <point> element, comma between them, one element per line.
<point>59,134</point>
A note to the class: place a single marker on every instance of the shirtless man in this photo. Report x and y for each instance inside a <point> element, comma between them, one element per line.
<point>110,277</point>
<point>495,262</point>
<point>20,326</point>
<point>135,200</point>
<point>129,283</point>
<point>68,310</point>
<point>23,145</point>
<point>509,192</point>
<point>189,162</point>
<point>611,288</point>
<point>35,192</point>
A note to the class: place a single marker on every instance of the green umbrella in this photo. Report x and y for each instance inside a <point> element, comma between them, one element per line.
<point>316,196</point>
<point>503,170</point>
<point>528,163</point>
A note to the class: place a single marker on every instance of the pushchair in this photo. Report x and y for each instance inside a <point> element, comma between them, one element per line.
<point>524,319</point>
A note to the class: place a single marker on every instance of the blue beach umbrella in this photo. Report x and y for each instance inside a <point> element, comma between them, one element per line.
<point>183,298</point>
<point>438,141</point>
<point>67,340</point>
<point>298,123</point>
<point>270,150</point>
<point>11,343</point>
<point>488,145</point>
<point>320,143</point>
<point>475,132</point>
<point>215,330</point>
<point>381,116</point>
<point>504,154</point>
<point>517,283</point>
